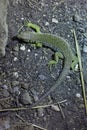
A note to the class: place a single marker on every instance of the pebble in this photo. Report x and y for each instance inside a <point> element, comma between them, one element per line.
<point>68,77</point>
<point>55,107</point>
<point>76,67</point>
<point>15,74</point>
<point>29,50</point>
<point>5,93</point>
<point>40,112</point>
<point>22,18</point>
<point>25,98</point>
<point>15,59</point>
<point>78,95</point>
<point>22,48</point>
<point>16,90</point>
<point>24,85</point>
<point>5,86</point>
<point>77,18</point>
<point>47,23</point>
<point>54,20</point>
<point>16,48</point>
<point>42,77</point>
<point>36,54</point>
<point>85,48</point>
<point>35,95</point>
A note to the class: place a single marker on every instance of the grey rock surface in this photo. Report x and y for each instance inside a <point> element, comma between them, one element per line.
<point>3,26</point>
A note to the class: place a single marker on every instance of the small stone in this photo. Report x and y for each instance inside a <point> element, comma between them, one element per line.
<point>85,48</point>
<point>24,85</point>
<point>69,89</point>
<point>22,48</point>
<point>5,93</point>
<point>36,54</point>
<point>40,112</point>
<point>15,59</point>
<point>54,20</point>
<point>47,23</point>
<point>22,18</point>
<point>76,67</point>
<point>68,36</point>
<point>16,48</point>
<point>55,107</point>
<point>5,86</point>
<point>16,90</point>
<point>78,95</point>
<point>77,18</point>
<point>29,50</point>
<point>15,74</point>
<point>25,98</point>
<point>42,77</point>
<point>35,96</point>
<point>68,77</point>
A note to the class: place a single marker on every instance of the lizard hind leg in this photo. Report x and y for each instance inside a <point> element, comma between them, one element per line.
<point>57,56</point>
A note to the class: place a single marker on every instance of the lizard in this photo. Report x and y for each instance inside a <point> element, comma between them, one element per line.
<point>52,41</point>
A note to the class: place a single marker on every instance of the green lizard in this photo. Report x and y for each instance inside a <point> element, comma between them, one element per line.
<point>37,29</point>
<point>53,42</point>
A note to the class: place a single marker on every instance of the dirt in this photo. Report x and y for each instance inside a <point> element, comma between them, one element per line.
<point>25,72</point>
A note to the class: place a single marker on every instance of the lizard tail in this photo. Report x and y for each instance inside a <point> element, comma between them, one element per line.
<point>57,83</point>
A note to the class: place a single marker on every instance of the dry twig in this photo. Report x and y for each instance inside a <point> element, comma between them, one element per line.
<point>81,70</point>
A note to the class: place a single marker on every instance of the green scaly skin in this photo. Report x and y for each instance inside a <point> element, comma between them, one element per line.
<point>55,42</point>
